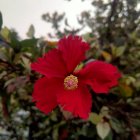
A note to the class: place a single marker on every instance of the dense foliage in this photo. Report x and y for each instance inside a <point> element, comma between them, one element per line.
<point>114,37</point>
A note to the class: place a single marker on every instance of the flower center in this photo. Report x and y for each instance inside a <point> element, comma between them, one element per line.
<point>71,82</point>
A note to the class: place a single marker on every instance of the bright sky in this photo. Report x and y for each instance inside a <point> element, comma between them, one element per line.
<point>20,14</point>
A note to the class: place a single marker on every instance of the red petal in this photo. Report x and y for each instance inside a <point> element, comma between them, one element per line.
<point>100,76</point>
<point>50,65</point>
<point>45,94</point>
<point>73,51</point>
<point>78,101</point>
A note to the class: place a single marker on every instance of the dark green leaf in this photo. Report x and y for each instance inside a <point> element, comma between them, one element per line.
<point>1,20</point>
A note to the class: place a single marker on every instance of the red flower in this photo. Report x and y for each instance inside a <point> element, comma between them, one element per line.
<point>63,86</point>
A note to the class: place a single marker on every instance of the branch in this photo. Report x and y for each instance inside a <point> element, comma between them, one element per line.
<point>109,22</point>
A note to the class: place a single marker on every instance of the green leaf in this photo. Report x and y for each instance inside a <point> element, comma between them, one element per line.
<point>66,114</point>
<point>130,80</point>
<point>95,118</point>
<point>125,90</point>
<point>80,66</point>
<point>103,129</point>
<point>3,73</point>
<point>118,51</point>
<point>31,31</point>
<point>136,123</point>
<point>28,43</point>
<point>26,60</point>
<point>6,54</point>
<point>116,125</point>
<point>2,54</point>
<point>104,111</point>
<point>109,137</point>
<point>5,33</point>
<point>1,20</point>
<point>12,80</point>
<point>55,134</point>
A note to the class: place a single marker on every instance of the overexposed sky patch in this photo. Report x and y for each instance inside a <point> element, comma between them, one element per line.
<point>20,14</point>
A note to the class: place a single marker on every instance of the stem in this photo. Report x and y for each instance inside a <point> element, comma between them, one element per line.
<point>5,107</point>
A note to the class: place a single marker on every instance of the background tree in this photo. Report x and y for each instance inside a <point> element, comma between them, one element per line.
<point>114,37</point>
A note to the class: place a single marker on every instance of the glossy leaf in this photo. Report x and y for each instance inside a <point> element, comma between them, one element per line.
<point>103,129</point>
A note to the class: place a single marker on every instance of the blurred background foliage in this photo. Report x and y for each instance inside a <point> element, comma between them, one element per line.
<point>114,37</point>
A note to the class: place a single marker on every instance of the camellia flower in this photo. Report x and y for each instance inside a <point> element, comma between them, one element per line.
<point>66,87</point>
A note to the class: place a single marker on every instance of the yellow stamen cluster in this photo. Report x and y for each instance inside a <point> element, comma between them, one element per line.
<point>71,82</point>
